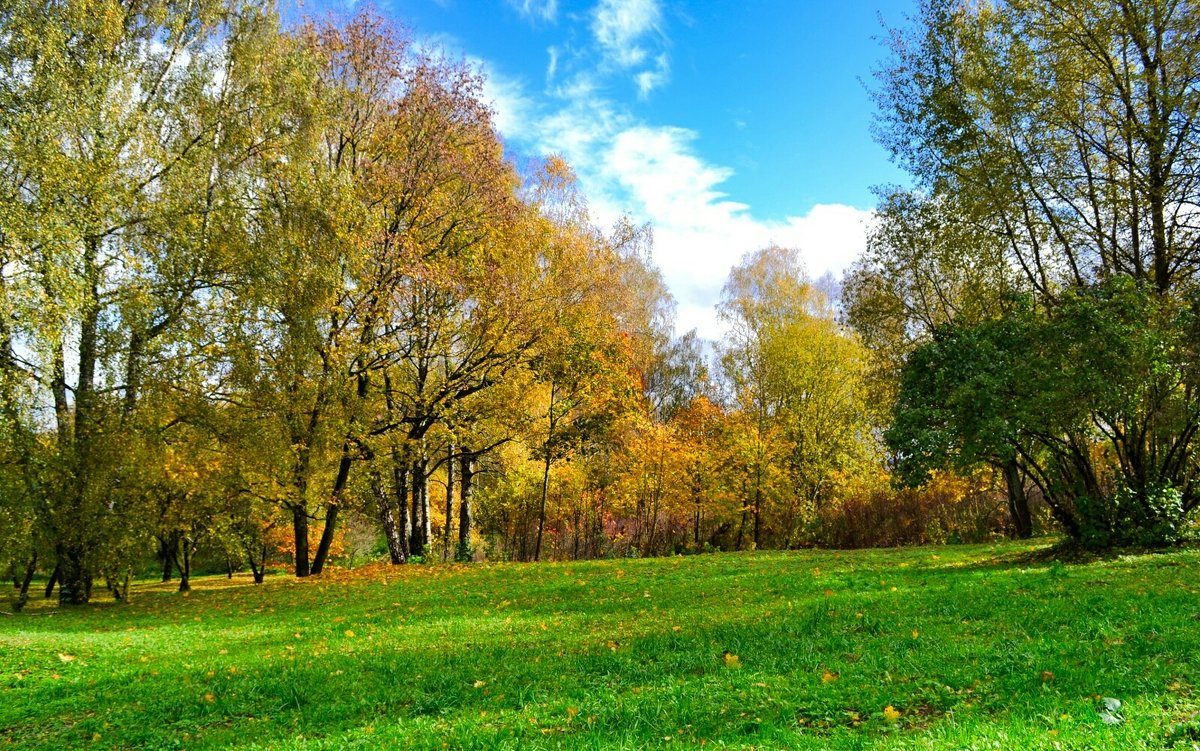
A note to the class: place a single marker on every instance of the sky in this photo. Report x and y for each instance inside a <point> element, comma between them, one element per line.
<point>727,125</point>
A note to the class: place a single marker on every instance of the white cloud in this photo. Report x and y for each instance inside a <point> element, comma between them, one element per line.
<point>619,25</point>
<point>513,112</point>
<point>545,10</point>
<point>648,80</point>
<point>552,66</point>
<point>629,36</point>
<point>654,174</point>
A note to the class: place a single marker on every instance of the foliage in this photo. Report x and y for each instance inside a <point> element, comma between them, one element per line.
<point>1093,396</point>
<point>798,380</point>
<point>1062,141</point>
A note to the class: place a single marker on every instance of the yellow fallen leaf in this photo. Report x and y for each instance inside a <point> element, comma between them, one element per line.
<point>829,677</point>
<point>349,632</point>
<point>480,684</point>
<point>916,634</point>
<point>891,714</point>
<point>66,658</point>
<point>732,661</point>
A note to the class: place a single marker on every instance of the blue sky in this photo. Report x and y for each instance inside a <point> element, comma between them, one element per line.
<point>727,125</point>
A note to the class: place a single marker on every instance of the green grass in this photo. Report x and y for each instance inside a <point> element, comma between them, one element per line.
<point>974,647</point>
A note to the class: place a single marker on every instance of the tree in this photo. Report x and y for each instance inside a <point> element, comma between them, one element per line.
<point>1092,398</point>
<point>928,265</point>
<point>116,142</point>
<point>798,380</point>
<point>1069,129</point>
<point>1067,133</point>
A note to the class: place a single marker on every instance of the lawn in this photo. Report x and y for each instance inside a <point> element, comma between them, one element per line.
<point>972,647</point>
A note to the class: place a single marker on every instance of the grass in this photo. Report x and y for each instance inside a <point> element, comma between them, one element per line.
<point>973,647</point>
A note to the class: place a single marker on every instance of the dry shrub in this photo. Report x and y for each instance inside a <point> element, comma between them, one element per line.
<point>948,509</point>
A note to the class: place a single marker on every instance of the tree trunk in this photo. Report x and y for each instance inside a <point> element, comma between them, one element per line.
<point>300,535</point>
<point>166,556</point>
<point>75,586</point>
<point>537,548</point>
<point>466,512</point>
<point>1018,500</point>
<point>258,568</point>
<point>742,526</point>
<point>449,526</point>
<point>184,564</point>
<point>419,545</point>
<point>53,581</point>
<point>426,517</point>
<point>326,541</point>
<point>387,519</point>
<point>75,580</point>
<point>758,512</point>
<point>400,493</point>
<point>23,584</point>
<point>331,510</point>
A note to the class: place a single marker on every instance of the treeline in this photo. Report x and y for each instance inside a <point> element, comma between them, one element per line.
<point>257,277</point>
<point>268,291</point>
<point>1033,300</point>
<point>276,293</point>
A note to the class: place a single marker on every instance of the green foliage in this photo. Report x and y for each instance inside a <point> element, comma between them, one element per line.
<point>1093,397</point>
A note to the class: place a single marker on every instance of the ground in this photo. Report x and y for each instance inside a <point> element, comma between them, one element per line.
<point>971,647</point>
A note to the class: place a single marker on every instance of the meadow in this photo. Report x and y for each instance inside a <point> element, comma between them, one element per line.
<point>968,647</point>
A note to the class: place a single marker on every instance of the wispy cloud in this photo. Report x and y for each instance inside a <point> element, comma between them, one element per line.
<point>655,173</point>
<point>648,80</point>
<point>552,66</point>
<point>542,10</point>
<point>620,25</point>
<point>629,36</point>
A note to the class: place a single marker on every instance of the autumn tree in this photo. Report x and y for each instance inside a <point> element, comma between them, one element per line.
<point>797,380</point>
<point>115,225</point>
<point>1067,133</point>
<point>928,264</point>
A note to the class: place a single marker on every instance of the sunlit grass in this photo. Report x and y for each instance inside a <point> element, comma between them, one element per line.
<point>963,647</point>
